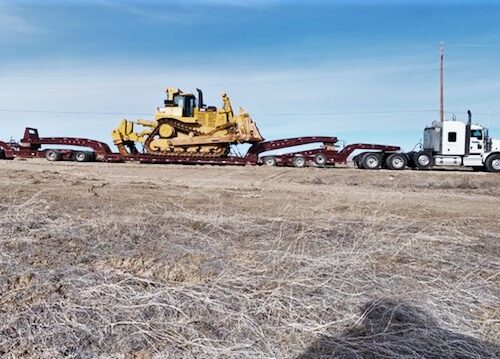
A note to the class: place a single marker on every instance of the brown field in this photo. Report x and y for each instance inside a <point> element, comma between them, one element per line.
<point>146,261</point>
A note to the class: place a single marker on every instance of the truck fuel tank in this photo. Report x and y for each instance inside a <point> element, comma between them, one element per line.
<point>448,160</point>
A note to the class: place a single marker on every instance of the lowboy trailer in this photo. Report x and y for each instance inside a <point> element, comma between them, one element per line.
<point>326,152</point>
<point>446,144</point>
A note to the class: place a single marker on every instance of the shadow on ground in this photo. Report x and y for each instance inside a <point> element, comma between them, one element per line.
<point>390,329</point>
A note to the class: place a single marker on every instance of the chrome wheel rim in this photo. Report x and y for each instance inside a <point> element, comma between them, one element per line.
<point>80,157</point>
<point>495,164</point>
<point>372,162</point>
<point>299,162</point>
<point>398,162</point>
<point>320,160</point>
<point>423,160</point>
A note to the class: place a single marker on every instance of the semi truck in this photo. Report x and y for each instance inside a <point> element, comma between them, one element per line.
<point>447,143</point>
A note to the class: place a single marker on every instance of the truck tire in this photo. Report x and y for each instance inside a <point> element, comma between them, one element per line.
<point>493,163</point>
<point>299,161</point>
<point>2,154</point>
<point>371,161</point>
<point>396,161</point>
<point>422,160</point>
<point>320,160</point>
<point>270,161</point>
<point>53,155</point>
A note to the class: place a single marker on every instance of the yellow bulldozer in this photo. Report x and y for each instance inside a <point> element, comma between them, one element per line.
<point>186,126</point>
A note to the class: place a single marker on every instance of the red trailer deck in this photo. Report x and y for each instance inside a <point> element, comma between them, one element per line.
<point>326,153</point>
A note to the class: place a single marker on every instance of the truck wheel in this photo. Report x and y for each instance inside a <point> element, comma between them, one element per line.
<point>371,161</point>
<point>320,160</point>
<point>81,157</point>
<point>493,163</point>
<point>396,161</point>
<point>423,160</point>
<point>270,161</point>
<point>2,154</point>
<point>299,161</point>
<point>53,155</point>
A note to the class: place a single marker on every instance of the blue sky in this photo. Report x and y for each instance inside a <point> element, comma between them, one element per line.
<point>365,71</point>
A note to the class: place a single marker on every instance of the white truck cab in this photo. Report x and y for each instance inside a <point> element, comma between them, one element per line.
<point>454,143</point>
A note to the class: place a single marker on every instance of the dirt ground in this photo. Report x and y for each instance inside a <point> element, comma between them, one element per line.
<point>154,261</point>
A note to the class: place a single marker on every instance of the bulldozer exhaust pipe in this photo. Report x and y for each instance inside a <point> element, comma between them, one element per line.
<point>200,99</point>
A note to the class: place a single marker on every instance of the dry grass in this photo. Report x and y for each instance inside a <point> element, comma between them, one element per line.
<point>168,262</point>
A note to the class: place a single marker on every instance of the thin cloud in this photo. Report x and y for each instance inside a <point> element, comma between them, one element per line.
<point>13,23</point>
<point>178,11</point>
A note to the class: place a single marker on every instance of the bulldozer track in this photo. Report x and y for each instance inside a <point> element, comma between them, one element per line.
<point>186,128</point>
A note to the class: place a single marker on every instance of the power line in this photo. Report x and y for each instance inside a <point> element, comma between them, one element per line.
<point>374,112</point>
<point>74,112</point>
<point>331,113</point>
<point>348,113</point>
<point>474,45</point>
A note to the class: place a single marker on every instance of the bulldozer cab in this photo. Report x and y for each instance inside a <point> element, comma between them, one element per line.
<point>186,102</point>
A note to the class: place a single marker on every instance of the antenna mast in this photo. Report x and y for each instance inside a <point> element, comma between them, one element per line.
<point>441,108</point>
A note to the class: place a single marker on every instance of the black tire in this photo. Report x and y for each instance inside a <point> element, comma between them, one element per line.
<point>270,161</point>
<point>299,161</point>
<point>371,161</point>
<point>396,161</point>
<point>53,155</point>
<point>91,156</point>
<point>81,156</point>
<point>493,163</point>
<point>320,160</point>
<point>423,160</point>
<point>357,161</point>
<point>2,154</point>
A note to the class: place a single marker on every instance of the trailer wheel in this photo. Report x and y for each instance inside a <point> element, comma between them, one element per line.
<point>396,161</point>
<point>81,156</point>
<point>91,156</point>
<point>53,155</point>
<point>493,163</point>
<point>371,161</point>
<point>423,160</point>
<point>270,161</point>
<point>299,161</point>
<point>320,160</point>
<point>357,161</point>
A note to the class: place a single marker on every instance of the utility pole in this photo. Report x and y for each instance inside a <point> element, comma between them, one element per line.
<point>441,108</point>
